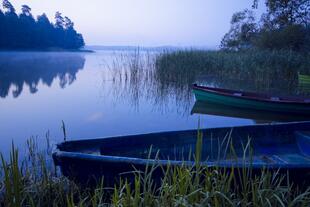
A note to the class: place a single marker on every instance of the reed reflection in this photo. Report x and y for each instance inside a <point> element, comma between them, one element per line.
<point>133,77</point>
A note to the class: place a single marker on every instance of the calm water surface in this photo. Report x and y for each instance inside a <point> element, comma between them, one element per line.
<point>94,97</point>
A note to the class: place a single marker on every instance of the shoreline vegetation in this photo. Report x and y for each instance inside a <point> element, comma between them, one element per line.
<point>34,181</point>
<point>261,70</point>
<point>268,72</point>
<point>23,31</point>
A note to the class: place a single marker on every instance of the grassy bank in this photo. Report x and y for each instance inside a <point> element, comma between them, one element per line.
<point>34,181</point>
<point>258,70</point>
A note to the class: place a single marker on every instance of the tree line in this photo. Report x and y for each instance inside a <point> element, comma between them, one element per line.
<point>23,31</point>
<point>284,26</point>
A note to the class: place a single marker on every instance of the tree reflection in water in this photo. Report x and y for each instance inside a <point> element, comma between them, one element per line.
<point>18,69</point>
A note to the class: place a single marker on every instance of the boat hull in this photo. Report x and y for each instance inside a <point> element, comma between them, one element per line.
<point>258,116</point>
<point>276,146</point>
<point>90,171</point>
<point>206,96</point>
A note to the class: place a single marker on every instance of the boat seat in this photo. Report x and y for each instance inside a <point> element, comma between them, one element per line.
<point>273,159</point>
<point>303,142</point>
<point>237,94</point>
<point>267,159</point>
<point>275,98</point>
<point>294,159</point>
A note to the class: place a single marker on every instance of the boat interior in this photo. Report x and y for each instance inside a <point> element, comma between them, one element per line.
<point>259,144</point>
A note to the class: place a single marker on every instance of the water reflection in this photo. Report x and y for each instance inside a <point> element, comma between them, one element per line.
<point>257,116</point>
<point>19,69</point>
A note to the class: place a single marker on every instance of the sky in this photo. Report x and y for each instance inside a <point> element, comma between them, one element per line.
<point>183,23</point>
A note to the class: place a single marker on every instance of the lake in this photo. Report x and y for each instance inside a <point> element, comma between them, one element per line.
<point>95,96</point>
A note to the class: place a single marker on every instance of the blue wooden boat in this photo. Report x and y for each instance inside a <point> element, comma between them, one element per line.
<point>282,146</point>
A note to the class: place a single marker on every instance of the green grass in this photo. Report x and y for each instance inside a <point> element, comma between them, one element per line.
<point>35,182</point>
<point>257,70</point>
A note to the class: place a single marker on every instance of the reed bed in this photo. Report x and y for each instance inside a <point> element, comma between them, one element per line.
<point>253,64</point>
<point>34,181</point>
<point>161,77</point>
<point>253,70</point>
<point>131,75</point>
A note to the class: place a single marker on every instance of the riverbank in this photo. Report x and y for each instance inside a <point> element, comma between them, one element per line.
<point>34,181</point>
<point>254,70</point>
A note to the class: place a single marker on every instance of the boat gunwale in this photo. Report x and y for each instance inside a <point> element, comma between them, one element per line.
<point>160,162</point>
<point>181,131</point>
<point>59,154</point>
<point>251,96</point>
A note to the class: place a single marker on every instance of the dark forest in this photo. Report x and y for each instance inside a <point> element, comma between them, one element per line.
<point>25,32</point>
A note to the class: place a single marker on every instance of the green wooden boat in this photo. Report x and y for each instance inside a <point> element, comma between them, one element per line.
<point>249,100</point>
<point>304,78</point>
<point>304,83</point>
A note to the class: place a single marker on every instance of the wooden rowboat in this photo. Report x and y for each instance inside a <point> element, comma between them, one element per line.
<point>304,83</point>
<point>283,147</point>
<point>304,79</point>
<point>251,100</point>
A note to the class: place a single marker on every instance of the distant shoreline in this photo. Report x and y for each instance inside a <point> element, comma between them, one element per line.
<point>48,50</point>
